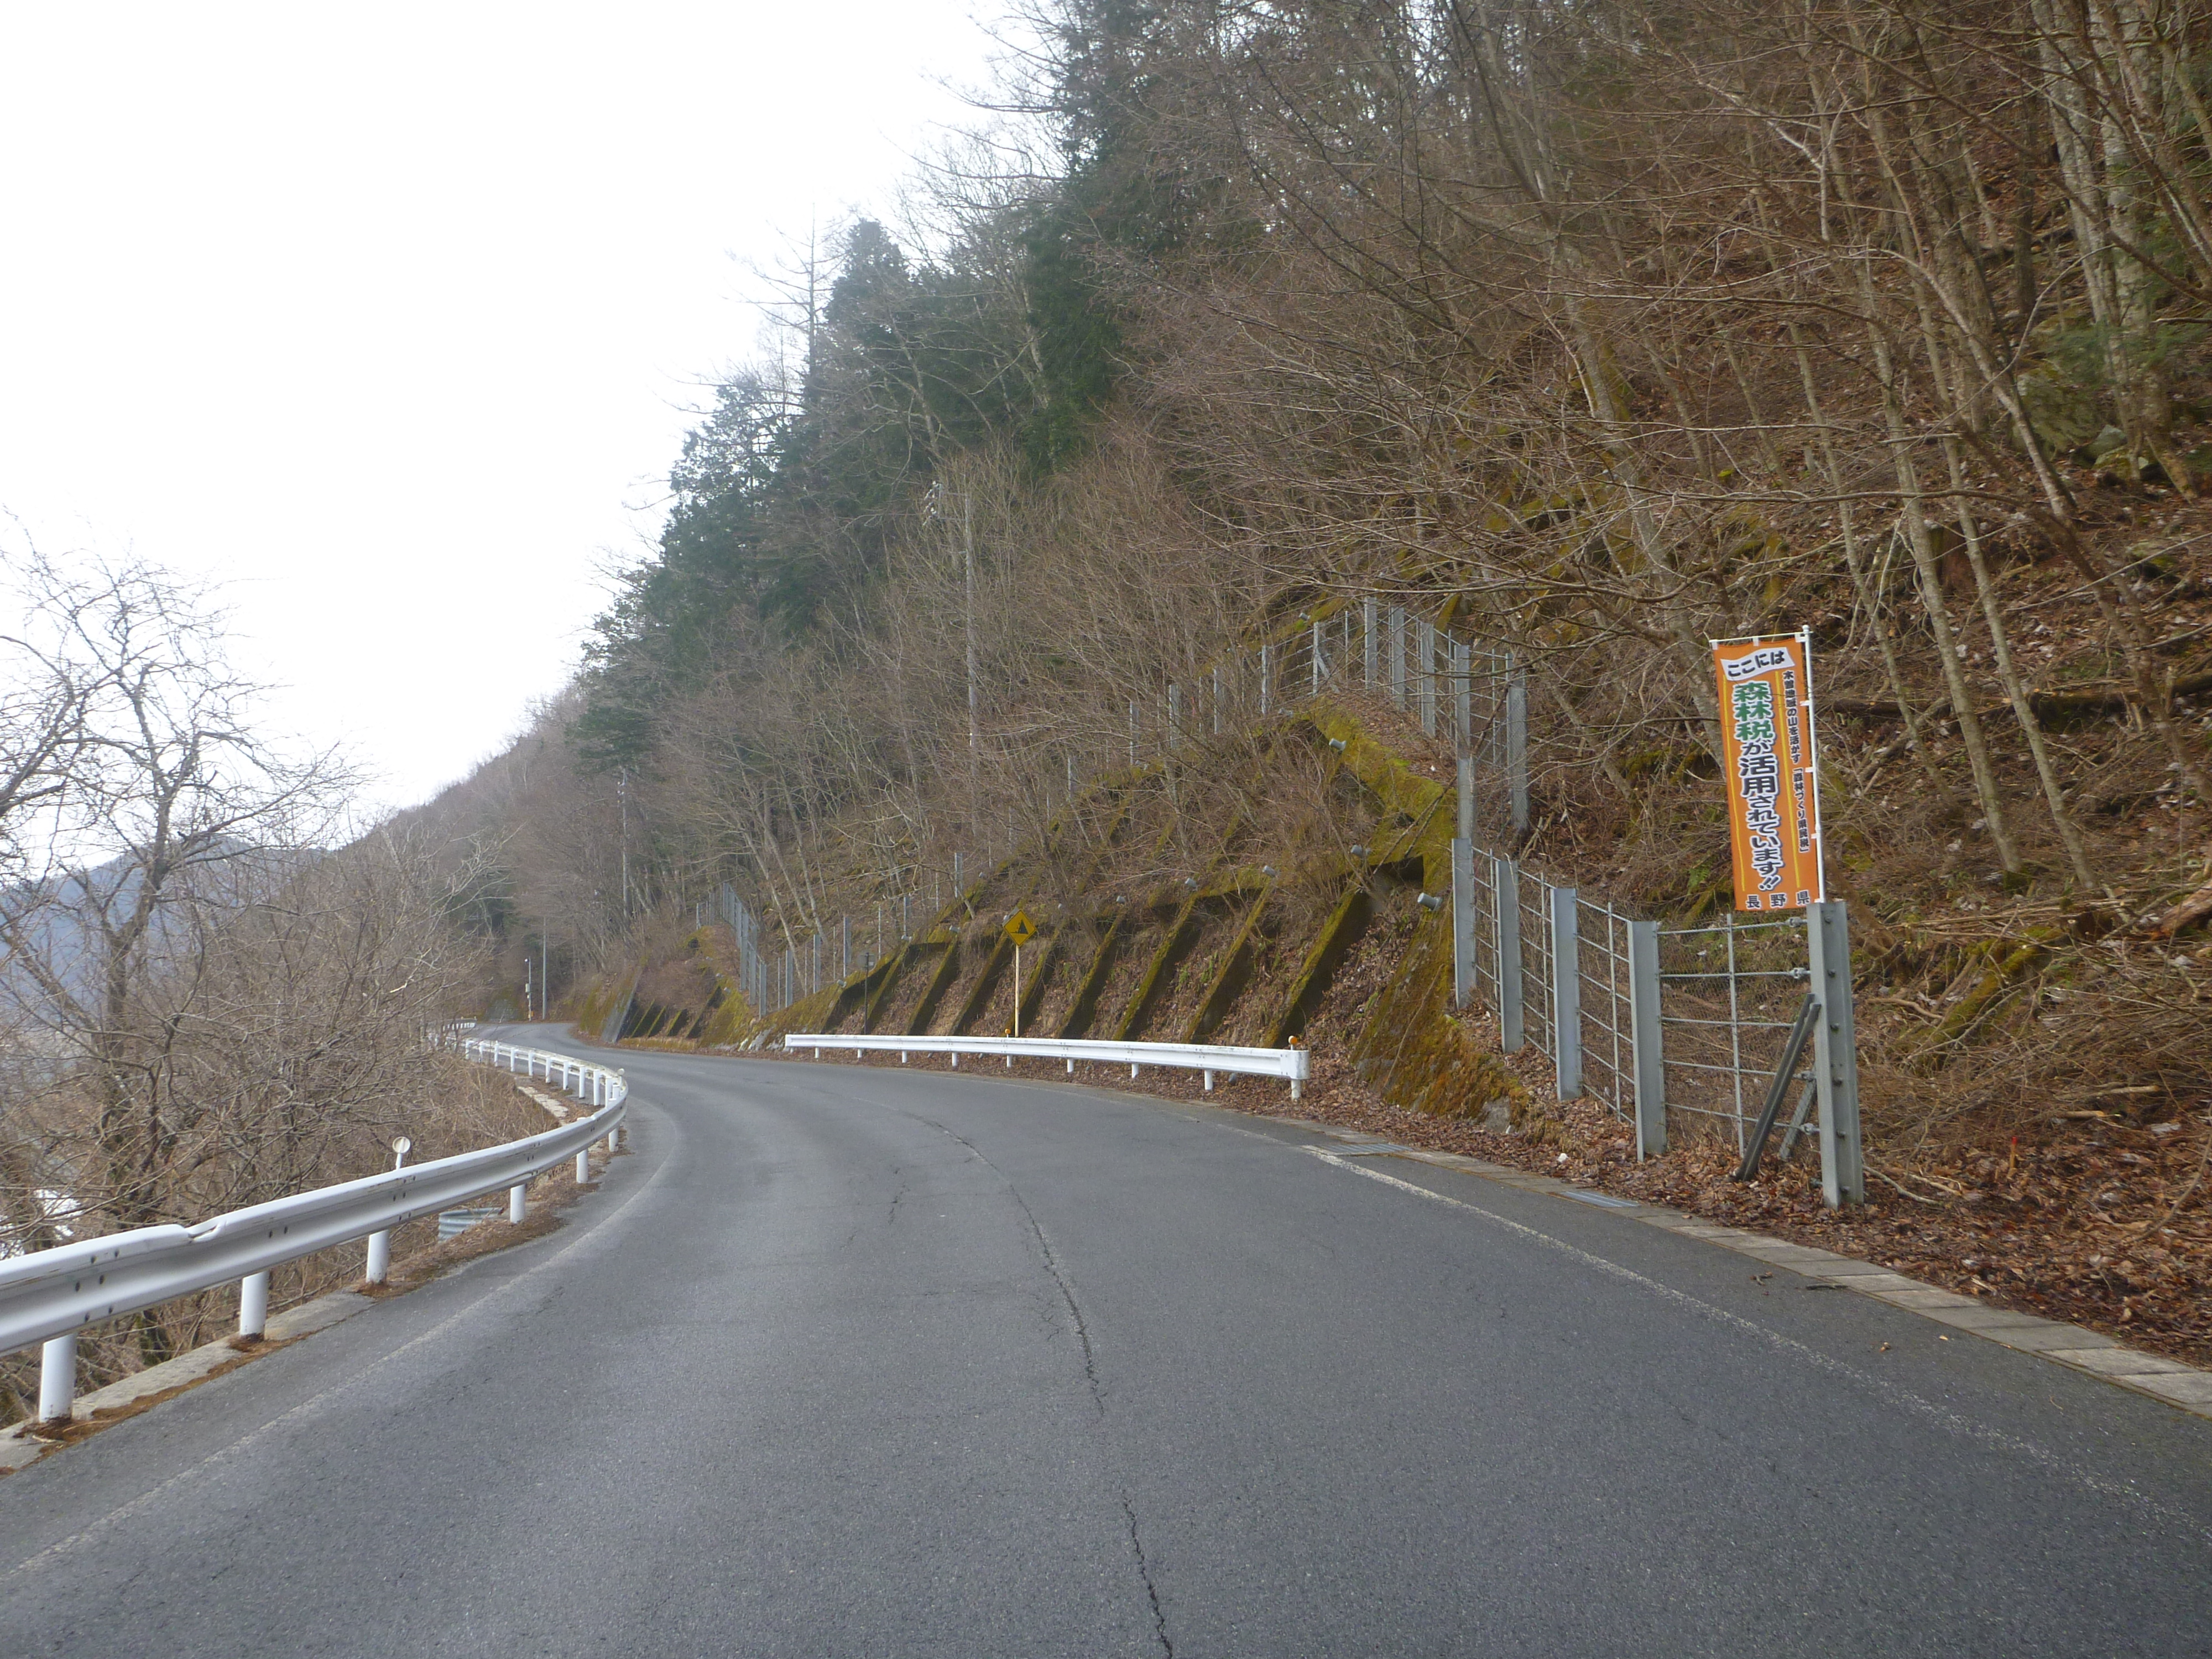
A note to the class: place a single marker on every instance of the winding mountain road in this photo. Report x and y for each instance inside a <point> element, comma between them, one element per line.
<point>847,1361</point>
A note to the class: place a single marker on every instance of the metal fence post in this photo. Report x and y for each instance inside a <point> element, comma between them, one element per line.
<point>1463,894</point>
<point>1174,714</point>
<point>1464,971</point>
<point>1516,748</point>
<point>1424,650</point>
<point>1462,662</point>
<point>1319,660</point>
<point>57,1377</point>
<point>845,958</point>
<point>1368,643</point>
<point>1397,656</point>
<point>1566,992</point>
<point>1650,1061</point>
<point>1266,680</point>
<point>1835,1054</point>
<point>1505,887</point>
<point>1220,703</point>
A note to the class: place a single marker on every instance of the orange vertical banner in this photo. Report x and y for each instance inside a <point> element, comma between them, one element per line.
<point>1769,759</point>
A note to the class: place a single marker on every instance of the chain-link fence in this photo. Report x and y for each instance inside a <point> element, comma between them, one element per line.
<point>1650,1021</point>
<point>1729,994</point>
<point>1654,1020</point>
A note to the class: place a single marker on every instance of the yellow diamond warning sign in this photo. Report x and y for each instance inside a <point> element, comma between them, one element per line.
<point>1020,928</point>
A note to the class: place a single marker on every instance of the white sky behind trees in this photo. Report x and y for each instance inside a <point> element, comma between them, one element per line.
<point>391,318</point>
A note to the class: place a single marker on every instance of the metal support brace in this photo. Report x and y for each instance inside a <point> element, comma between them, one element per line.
<point>1516,750</point>
<point>1397,656</point>
<point>1566,992</point>
<point>1835,1055</point>
<point>1505,895</point>
<point>1650,1061</point>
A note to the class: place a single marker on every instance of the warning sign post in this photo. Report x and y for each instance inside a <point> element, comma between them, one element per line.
<point>1770,757</point>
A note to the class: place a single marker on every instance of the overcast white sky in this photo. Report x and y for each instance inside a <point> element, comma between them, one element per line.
<point>389,317</point>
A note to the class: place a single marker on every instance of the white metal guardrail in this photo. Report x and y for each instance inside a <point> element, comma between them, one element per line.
<point>1292,1064</point>
<point>48,1296</point>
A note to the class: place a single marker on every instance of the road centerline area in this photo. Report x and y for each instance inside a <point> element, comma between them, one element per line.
<point>856,1360</point>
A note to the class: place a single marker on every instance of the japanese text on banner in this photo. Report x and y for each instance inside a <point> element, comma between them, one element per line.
<point>1773,783</point>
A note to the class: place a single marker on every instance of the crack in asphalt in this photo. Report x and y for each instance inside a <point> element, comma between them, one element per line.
<point>1051,1263</point>
<point>897,1192</point>
<point>1144,1572</point>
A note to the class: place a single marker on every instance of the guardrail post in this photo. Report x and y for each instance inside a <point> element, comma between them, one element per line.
<point>379,1265</point>
<point>1505,878</point>
<point>1397,656</point>
<point>253,1304</point>
<point>1835,1055</point>
<point>1566,992</point>
<point>1650,1061</point>
<point>57,1377</point>
<point>518,1203</point>
<point>584,1167</point>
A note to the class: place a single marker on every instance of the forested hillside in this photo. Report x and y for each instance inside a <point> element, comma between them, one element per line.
<point>1602,331</point>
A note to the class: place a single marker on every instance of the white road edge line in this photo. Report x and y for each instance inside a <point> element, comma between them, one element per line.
<point>1996,1439</point>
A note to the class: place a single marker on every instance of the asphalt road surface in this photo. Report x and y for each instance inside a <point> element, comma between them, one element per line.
<point>860,1362</point>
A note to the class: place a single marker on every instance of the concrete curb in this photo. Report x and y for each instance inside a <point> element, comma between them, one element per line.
<point>2185,1387</point>
<point>19,1447</point>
